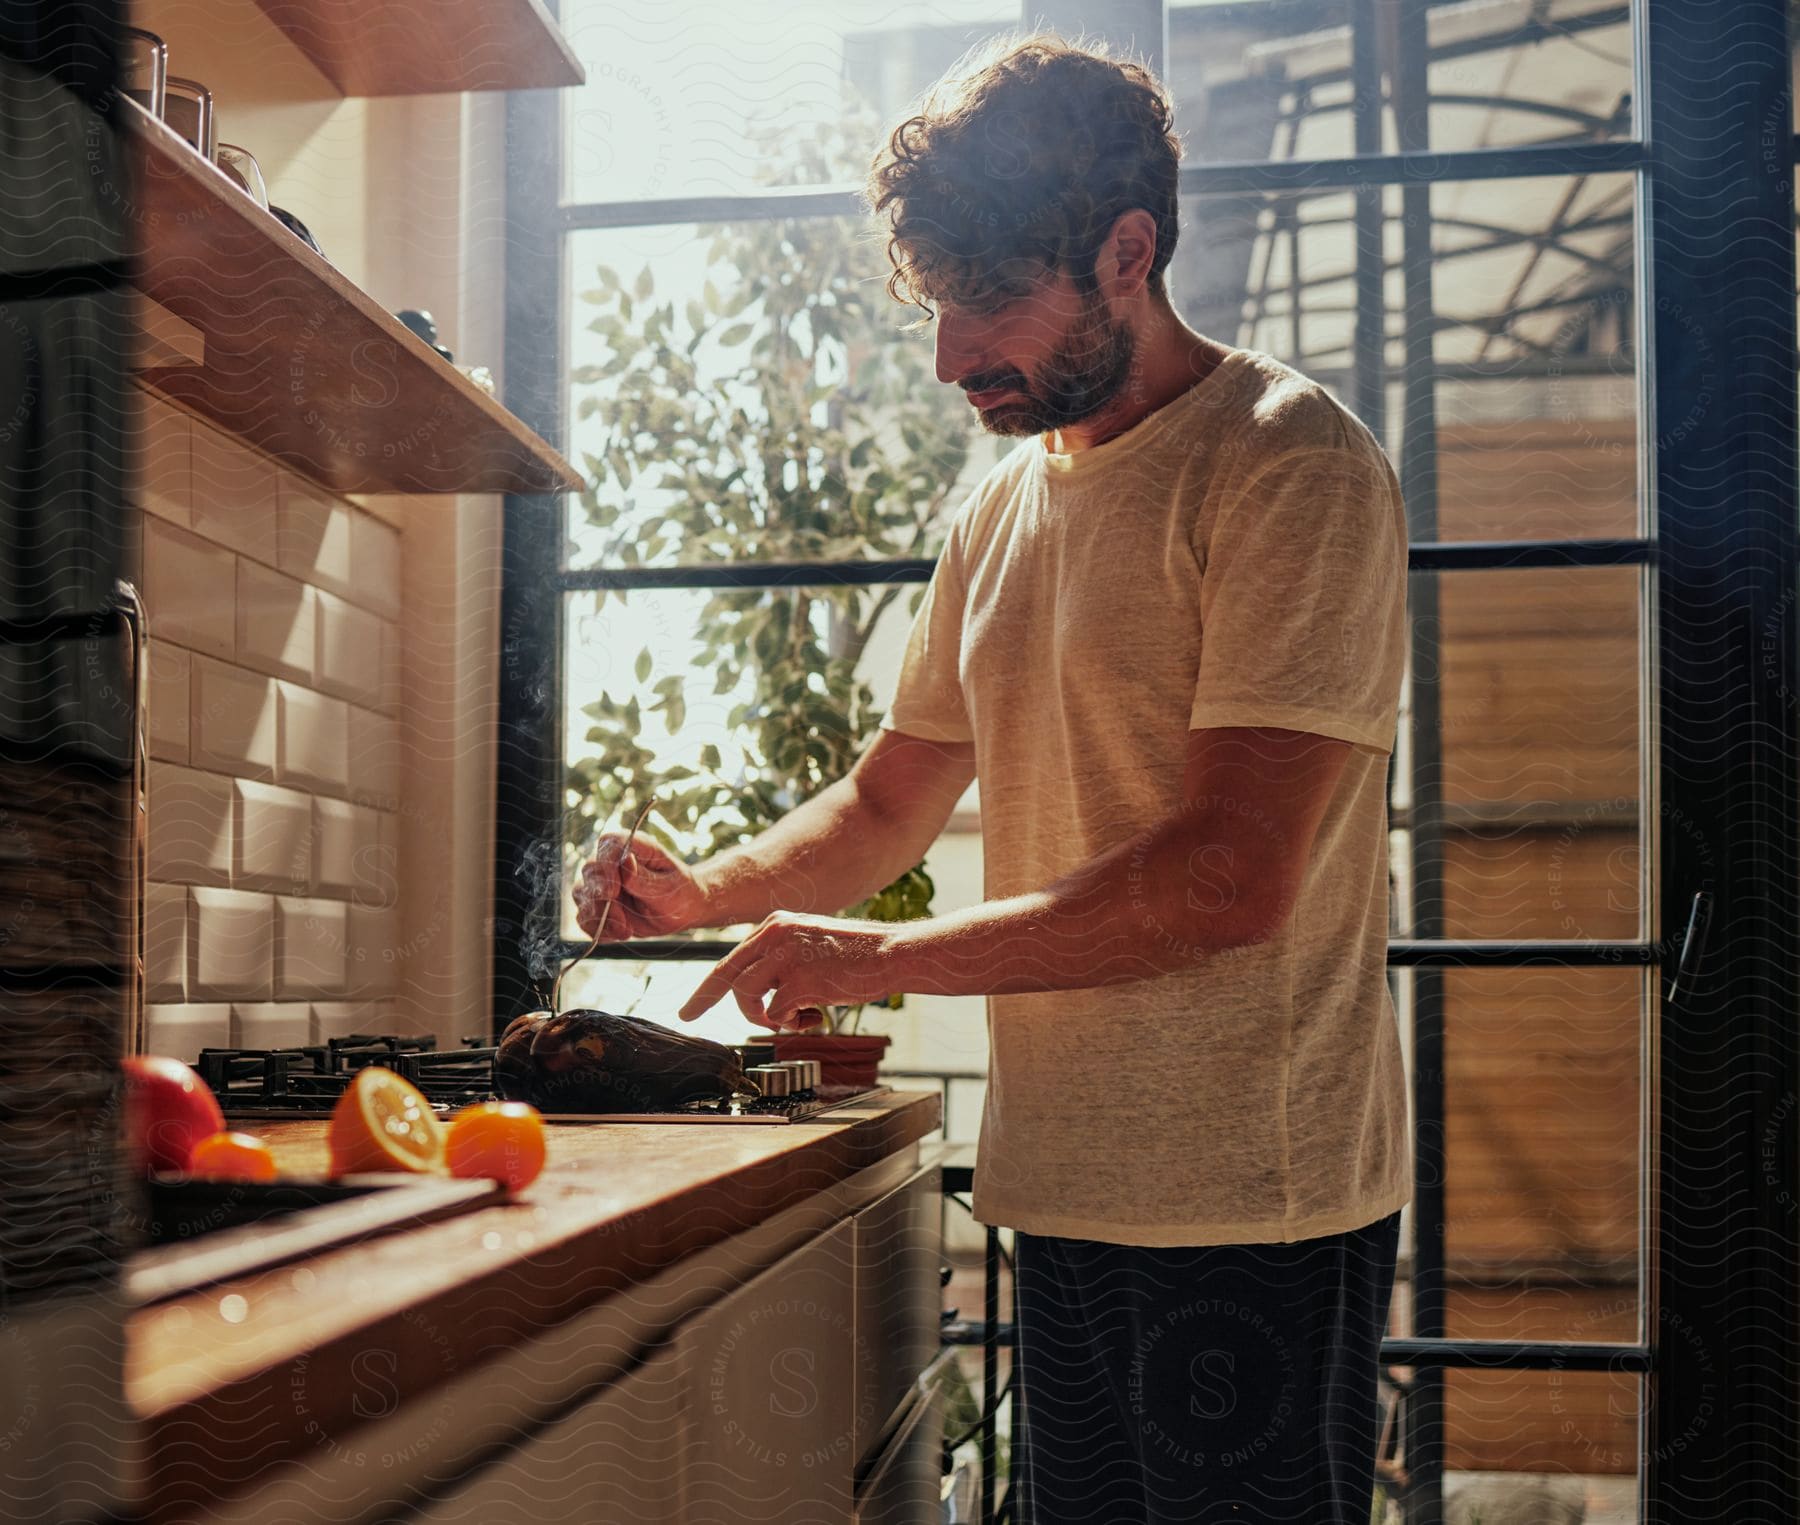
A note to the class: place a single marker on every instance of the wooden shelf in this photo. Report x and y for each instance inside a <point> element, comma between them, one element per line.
<point>402,47</point>
<point>301,362</point>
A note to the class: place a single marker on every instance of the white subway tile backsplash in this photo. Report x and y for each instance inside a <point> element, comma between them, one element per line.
<point>350,650</point>
<point>234,494</point>
<point>375,563</point>
<point>315,740</point>
<point>274,835</point>
<point>377,863</point>
<point>310,947</point>
<point>276,687</point>
<point>273,1024</point>
<point>374,962</point>
<point>189,825</point>
<point>234,720</point>
<point>387,698</point>
<point>314,541</point>
<point>181,1031</point>
<point>342,1019</point>
<point>170,710</point>
<point>165,942</point>
<point>233,944</point>
<point>400,1018</point>
<point>277,618</point>
<point>344,836</point>
<point>162,471</point>
<point>390,850</point>
<point>188,590</point>
<point>375,758</point>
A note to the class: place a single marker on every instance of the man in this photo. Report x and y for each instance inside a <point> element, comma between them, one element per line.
<point>1166,632</point>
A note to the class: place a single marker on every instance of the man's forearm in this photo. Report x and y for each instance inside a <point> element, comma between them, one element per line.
<point>822,856</point>
<point>1148,907</point>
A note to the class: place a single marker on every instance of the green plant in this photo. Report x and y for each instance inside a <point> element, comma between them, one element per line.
<point>783,413</point>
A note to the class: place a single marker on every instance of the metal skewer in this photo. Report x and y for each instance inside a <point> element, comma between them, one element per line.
<point>605,910</point>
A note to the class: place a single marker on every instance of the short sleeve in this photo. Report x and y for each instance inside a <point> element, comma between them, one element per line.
<point>1303,597</point>
<point>928,699</point>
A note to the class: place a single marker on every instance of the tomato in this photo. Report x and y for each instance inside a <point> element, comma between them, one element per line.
<point>232,1157</point>
<point>168,1109</point>
<point>499,1141</point>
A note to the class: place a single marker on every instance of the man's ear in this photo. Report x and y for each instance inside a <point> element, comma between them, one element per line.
<point>1123,266</point>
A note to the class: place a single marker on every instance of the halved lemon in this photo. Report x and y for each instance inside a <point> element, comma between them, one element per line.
<point>383,1122</point>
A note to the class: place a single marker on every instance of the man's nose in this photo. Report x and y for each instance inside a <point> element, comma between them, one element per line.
<point>957,355</point>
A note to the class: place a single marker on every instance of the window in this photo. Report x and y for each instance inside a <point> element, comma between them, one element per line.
<point>1449,215</point>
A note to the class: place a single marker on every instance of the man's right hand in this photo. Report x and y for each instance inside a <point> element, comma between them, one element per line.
<point>651,893</point>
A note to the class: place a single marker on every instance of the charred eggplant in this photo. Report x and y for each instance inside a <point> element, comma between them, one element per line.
<point>592,1061</point>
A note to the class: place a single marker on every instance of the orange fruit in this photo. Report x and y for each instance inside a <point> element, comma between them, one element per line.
<point>382,1122</point>
<point>232,1157</point>
<point>497,1141</point>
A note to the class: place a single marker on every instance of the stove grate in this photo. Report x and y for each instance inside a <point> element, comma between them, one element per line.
<point>307,1080</point>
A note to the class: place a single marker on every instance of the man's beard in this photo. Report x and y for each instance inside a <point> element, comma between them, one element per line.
<point>1083,374</point>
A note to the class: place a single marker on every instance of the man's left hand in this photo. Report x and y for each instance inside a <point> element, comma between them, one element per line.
<point>803,964</point>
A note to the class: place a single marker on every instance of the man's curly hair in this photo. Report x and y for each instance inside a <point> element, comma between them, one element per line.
<point>1023,156</point>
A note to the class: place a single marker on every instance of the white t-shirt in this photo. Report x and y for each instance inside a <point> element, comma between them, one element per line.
<point>1237,558</point>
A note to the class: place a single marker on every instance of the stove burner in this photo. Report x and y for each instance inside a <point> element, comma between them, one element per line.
<point>307,1081</point>
<point>272,1083</point>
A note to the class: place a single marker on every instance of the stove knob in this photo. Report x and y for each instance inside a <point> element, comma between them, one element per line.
<point>813,1075</point>
<point>797,1074</point>
<point>771,1079</point>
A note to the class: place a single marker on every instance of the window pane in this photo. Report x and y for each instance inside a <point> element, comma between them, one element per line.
<point>1532,317</point>
<point>1536,431</point>
<point>1541,1446</point>
<point>661,706</point>
<point>693,99</point>
<point>1270,79</point>
<point>1535,683</point>
<point>713,704</point>
<point>751,392</point>
<point>931,1035</point>
<point>1542,1134</point>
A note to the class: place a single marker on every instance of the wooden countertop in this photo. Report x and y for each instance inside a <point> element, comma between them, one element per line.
<point>617,1202</point>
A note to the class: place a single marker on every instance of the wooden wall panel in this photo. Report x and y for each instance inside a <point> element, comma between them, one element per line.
<point>1577,879</point>
<point>1541,1421</point>
<point>1537,479</point>
<point>1540,716</point>
<point>1539,685</point>
<point>1542,1117</point>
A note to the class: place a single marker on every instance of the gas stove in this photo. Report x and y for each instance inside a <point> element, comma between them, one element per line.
<point>292,1083</point>
<point>307,1081</point>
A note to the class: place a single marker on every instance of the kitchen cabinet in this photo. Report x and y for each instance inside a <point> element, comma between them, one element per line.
<point>898,1247</point>
<point>812,1393</point>
<point>770,1375</point>
<point>614,1459</point>
<point>795,1379</point>
<point>901,1486</point>
<point>668,1325</point>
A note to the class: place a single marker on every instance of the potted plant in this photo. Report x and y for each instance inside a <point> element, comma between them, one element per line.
<point>783,413</point>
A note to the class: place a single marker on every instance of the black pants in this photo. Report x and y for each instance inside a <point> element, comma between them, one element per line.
<point>1199,1384</point>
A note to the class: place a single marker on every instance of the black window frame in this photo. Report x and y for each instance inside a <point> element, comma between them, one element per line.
<point>1713,164</point>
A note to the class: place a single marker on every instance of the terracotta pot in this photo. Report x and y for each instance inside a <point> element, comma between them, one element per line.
<point>845,1059</point>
